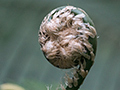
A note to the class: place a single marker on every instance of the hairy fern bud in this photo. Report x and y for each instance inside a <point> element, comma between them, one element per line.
<point>67,36</point>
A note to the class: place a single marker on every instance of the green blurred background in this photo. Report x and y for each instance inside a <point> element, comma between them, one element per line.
<point>21,60</point>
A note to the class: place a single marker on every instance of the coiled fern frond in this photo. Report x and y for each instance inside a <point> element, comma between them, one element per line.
<point>68,39</point>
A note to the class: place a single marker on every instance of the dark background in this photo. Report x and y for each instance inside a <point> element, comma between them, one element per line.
<point>21,60</point>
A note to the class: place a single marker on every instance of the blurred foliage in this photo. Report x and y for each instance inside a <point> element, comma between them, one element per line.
<point>21,58</point>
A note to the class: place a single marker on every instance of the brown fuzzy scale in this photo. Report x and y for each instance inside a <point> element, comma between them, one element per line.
<point>64,38</point>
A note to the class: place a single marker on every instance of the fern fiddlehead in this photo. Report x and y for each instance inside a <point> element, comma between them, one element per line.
<point>68,39</point>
